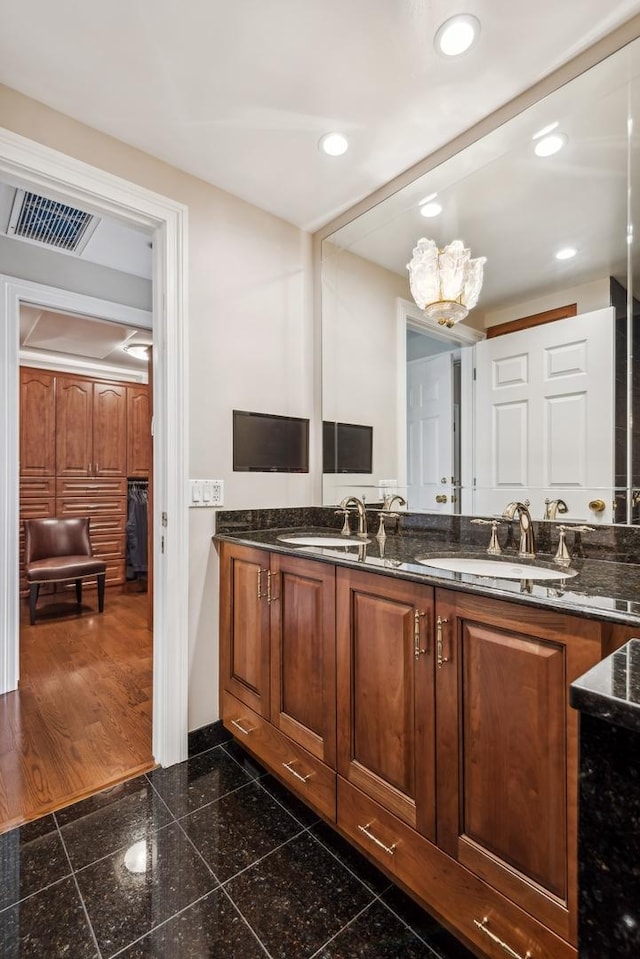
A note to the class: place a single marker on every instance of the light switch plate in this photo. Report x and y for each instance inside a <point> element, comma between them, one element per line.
<point>206,493</point>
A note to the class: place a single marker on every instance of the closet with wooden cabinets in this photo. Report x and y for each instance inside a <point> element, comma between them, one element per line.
<point>80,441</point>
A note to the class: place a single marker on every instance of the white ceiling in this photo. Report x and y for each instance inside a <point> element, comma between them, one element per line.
<point>238,92</point>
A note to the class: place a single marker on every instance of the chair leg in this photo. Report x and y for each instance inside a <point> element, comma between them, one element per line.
<point>101,578</point>
<point>79,591</point>
<point>34,589</point>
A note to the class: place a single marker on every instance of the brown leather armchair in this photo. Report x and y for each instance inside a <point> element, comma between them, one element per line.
<point>57,550</point>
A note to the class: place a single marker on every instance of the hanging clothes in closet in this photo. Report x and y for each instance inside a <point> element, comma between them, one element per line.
<point>136,529</point>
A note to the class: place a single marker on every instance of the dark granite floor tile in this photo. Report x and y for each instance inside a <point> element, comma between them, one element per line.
<point>351,858</point>
<point>31,858</point>
<point>129,893</point>
<point>198,781</point>
<point>238,829</point>
<point>207,737</point>
<point>301,812</point>
<point>376,934</point>
<point>425,926</point>
<point>298,897</point>
<point>111,820</point>
<point>250,765</point>
<point>51,923</point>
<point>210,929</point>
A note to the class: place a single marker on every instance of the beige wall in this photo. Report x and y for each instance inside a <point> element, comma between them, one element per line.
<point>250,335</point>
<point>360,363</point>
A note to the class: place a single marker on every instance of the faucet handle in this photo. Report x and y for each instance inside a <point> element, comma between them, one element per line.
<point>494,548</point>
<point>346,528</point>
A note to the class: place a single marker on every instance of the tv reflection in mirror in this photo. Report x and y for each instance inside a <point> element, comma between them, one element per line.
<point>347,448</point>
<point>268,443</point>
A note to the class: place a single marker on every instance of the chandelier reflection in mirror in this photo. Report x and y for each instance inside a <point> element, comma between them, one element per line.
<point>445,283</point>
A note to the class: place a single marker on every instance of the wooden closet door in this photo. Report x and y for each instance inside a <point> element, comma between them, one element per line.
<point>37,423</point>
<point>138,431</point>
<point>74,426</point>
<point>109,429</point>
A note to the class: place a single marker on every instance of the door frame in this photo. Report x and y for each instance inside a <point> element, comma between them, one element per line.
<point>410,317</point>
<point>31,165</point>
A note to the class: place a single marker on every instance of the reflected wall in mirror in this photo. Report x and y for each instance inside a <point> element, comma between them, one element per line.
<point>528,397</point>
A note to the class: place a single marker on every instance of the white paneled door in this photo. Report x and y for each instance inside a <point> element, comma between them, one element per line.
<point>544,424</point>
<point>429,433</point>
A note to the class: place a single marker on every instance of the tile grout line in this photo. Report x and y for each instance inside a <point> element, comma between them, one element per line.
<point>246,922</point>
<point>431,949</point>
<point>376,895</point>
<point>342,928</point>
<point>77,885</point>
<point>160,925</point>
<point>240,872</point>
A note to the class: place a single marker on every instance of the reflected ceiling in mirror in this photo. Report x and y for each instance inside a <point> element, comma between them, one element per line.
<point>518,209</point>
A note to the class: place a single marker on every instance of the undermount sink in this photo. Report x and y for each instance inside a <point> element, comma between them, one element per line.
<point>499,569</point>
<point>351,543</point>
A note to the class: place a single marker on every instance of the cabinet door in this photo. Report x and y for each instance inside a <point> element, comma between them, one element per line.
<point>74,426</point>
<point>138,431</point>
<point>37,423</point>
<point>109,429</point>
<point>507,745</point>
<point>303,653</point>
<point>385,693</point>
<point>244,625</point>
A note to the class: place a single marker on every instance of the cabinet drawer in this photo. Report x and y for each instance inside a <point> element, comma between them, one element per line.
<point>43,487</point>
<point>108,547</point>
<point>86,486</point>
<point>88,506</point>
<point>108,526</point>
<point>301,772</point>
<point>37,508</point>
<point>447,889</point>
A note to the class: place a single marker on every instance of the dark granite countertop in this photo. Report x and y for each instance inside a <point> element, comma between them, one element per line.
<point>600,589</point>
<point>611,689</point>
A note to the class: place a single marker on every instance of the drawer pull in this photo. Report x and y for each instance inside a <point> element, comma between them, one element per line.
<point>483,926</point>
<point>390,850</point>
<point>238,725</point>
<point>289,767</point>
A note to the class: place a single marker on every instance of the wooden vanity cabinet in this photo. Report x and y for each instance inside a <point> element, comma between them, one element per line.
<point>278,662</point>
<point>456,745</point>
<point>386,708</point>
<point>507,748</point>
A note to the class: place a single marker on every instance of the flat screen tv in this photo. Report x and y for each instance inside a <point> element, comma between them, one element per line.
<point>266,443</point>
<point>347,448</point>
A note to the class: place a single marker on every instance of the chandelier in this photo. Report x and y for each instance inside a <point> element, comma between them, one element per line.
<point>445,283</point>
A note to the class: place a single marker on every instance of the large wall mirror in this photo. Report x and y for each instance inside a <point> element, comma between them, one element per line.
<point>531,395</point>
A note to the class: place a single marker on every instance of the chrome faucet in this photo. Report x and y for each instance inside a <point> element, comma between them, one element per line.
<point>527,549</point>
<point>553,506</point>
<point>362,513</point>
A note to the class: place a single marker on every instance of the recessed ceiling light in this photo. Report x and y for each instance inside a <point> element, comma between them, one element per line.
<point>550,144</point>
<point>431,209</point>
<point>542,133</point>
<point>566,253</point>
<point>456,35</point>
<point>333,144</point>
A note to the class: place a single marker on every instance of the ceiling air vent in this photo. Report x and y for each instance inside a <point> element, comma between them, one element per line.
<point>47,221</point>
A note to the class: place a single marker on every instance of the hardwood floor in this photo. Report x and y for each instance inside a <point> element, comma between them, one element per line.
<point>81,719</point>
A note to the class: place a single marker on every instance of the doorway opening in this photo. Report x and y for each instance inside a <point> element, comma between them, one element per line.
<point>29,165</point>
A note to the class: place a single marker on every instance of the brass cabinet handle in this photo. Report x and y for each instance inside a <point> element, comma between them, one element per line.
<point>441,659</point>
<point>417,650</point>
<point>441,498</point>
<point>238,725</point>
<point>597,505</point>
<point>289,767</point>
<point>390,850</point>
<point>261,595</point>
<point>269,586</point>
<point>483,926</point>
